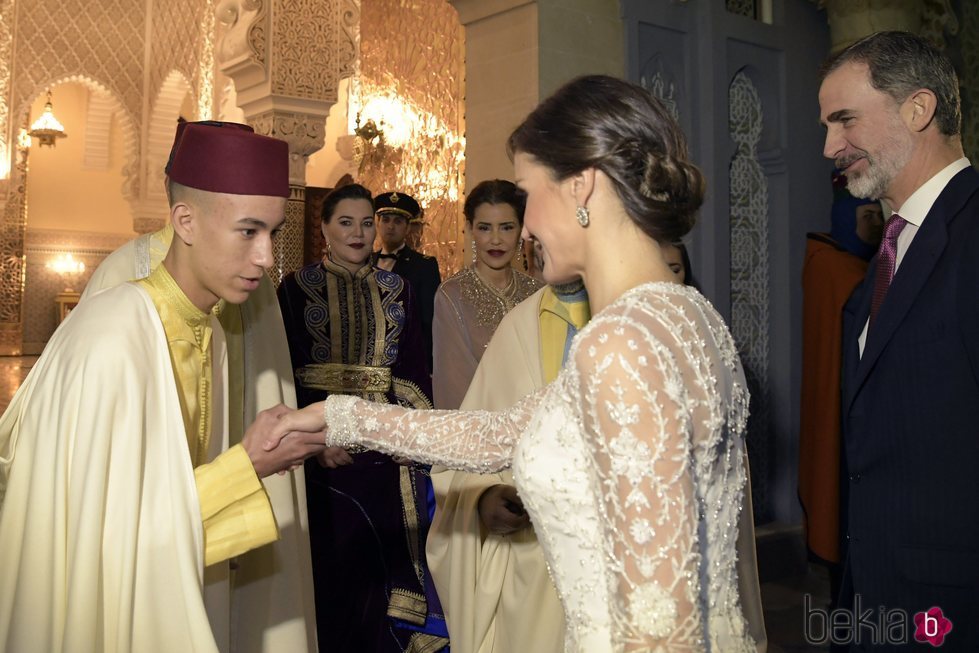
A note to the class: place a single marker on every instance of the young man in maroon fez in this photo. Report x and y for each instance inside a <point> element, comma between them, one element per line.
<point>396,212</point>
<point>123,499</point>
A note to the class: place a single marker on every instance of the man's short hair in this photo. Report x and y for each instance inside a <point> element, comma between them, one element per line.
<point>900,63</point>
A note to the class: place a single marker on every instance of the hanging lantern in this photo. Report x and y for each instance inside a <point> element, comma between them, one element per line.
<point>47,129</point>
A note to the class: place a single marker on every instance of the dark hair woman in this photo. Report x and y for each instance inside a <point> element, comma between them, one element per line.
<point>470,304</point>
<point>351,331</point>
<point>630,463</point>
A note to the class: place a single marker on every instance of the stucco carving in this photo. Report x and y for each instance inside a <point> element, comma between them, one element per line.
<point>103,41</point>
<point>176,42</point>
<point>102,44</point>
<point>246,23</point>
<point>293,54</point>
<point>311,55</point>
<point>12,254</point>
<point>851,20</point>
<point>7,134</point>
<point>411,85</point>
<point>303,132</point>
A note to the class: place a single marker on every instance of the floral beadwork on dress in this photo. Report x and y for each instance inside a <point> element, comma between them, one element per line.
<point>631,465</point>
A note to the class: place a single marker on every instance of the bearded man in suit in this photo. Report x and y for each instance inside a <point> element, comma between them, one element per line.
<point>910,386</point>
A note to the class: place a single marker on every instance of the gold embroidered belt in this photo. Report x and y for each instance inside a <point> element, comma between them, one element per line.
<point>345,378</point>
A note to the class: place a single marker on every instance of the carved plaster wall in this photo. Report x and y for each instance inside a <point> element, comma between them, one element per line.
<point>969,79</point>
<point>311,56</point>
<point>286,58</point>
<point>6,54</point>
<point>126,57</point>
<point>411,84</point>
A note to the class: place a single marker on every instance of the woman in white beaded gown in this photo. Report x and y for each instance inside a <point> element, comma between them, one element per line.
<point>630,463</point>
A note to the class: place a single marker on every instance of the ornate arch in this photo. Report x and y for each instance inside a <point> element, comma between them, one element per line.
<point>127,123</point>
<point>159,138</point>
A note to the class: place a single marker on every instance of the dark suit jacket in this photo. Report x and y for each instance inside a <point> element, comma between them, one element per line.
<point>422,272</point>
<point>911,425</point>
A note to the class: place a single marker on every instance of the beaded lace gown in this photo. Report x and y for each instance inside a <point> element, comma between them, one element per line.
<point>629,463</point>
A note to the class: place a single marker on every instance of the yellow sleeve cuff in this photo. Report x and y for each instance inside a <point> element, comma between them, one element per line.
<point>234,506</point>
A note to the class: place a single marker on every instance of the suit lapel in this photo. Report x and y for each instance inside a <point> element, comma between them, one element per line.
<point>919,261</point>
<point>855,314</point>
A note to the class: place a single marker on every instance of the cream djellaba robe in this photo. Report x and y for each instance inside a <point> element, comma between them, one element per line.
<point>101,539</point>
<point>271,599</point>
<point>495,590</point>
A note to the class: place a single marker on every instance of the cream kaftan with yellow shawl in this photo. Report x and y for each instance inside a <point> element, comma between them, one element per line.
<point>272,596</point>
<point>486,583</point>
<point>101,538</point>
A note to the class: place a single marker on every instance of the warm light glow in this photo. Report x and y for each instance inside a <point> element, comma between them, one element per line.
<point>394,127</point>
<point>47,128</point>
<point>205,67</point>
<point>66,265</point>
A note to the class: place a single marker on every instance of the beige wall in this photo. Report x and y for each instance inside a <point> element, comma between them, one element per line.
<point>579,37</point>
<point>502,79</point>
<point>517,53</point>
<point>61,193</point>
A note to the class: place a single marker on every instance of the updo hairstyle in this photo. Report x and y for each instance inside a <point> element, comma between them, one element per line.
<point>495,191</point>
<point>619,128</point>
<point>340,193</point>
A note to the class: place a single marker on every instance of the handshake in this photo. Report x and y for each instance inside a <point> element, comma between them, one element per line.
<point>280,439</point>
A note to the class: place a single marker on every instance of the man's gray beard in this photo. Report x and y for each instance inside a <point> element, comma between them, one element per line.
<point>870,185</point>
<point>882,169</point>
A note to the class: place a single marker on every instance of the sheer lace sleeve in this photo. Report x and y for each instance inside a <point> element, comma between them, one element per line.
<point>637,422</point>
<point>474,440</point>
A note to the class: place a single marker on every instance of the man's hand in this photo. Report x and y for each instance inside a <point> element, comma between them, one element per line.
<point>501,510</point>
<point>334,457</point>
<point>307,420</point>
<point>293,448</point>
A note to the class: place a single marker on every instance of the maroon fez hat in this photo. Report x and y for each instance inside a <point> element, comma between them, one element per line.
<point>237,161</point>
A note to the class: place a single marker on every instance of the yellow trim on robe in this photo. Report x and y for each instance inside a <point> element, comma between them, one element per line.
<point>188,332</point>
<point>487,581</point>
<point>101,524</point>
<point>236,511</point>
<point>267,605</point>
<point>555,316</point>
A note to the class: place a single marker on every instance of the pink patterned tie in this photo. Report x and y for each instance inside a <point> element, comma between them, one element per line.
<point>886,260</point>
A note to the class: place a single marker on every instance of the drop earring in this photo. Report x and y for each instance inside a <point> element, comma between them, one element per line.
<point>520,256</point>
<point>474,252</point>
<point>581,213</point>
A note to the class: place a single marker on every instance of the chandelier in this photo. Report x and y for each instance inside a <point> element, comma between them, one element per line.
<point>47,128</point>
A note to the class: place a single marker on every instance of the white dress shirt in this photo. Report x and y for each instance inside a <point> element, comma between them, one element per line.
<point>914,210</point>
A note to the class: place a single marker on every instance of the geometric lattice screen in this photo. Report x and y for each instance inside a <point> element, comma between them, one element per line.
<point>750,279</point>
